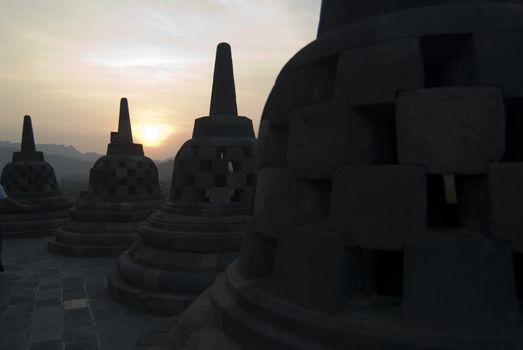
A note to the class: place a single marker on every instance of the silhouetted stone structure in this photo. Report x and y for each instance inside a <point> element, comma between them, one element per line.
<point>30,180</point>
<point>123,191</point>
<point>358,240</point>
<point>199,230</point>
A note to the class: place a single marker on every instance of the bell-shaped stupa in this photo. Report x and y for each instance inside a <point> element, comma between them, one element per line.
<point>30,180</point>
<point>192,238</point>
<point>123,191</point>
<point>389,192</point>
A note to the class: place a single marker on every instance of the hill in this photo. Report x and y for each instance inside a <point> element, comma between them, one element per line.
<point>59,150</point>
<point>165,171</point>
<point>65,167</point>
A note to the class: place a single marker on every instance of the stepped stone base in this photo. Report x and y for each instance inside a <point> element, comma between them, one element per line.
<point>162,281</point>
<point>102,228</point>
<point>181,250</point>
<point>254,319</point>
<point>57,247</point>
<point>47,215</point>
<point>145,300</point>
<point>22,228</point>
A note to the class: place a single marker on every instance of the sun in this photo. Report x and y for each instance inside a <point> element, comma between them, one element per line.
<point>152,135</point>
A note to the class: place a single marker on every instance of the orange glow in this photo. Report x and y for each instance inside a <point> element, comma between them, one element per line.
<point>153,135</point>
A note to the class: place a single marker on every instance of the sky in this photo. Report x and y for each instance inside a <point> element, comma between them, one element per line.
<point>67,63</point>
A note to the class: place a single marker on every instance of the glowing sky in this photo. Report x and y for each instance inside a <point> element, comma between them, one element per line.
<point>68,62</point>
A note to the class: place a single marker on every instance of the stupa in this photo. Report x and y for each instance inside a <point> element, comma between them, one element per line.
<point>199,230</point>
<point>389,191</point>
<point>30,180</point>
<point>123,191</point>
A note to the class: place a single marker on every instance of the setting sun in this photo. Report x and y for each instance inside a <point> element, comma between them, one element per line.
<point>152,135</point>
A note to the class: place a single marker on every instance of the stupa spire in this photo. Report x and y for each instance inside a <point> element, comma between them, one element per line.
<point>125,133</point>
<point>223,97</point>
<point>28,140</point>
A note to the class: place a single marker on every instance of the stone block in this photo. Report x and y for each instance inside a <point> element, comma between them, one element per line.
<point>281,200</point>
<point>206,152</point>
<point>318,140</point>
<point>141,190</point>
<point>121,191</point>
<point>505,181</point>
<point>222,126</point>
<point>460,282</point>
<point>189,195</point>
<point>248,166</point>
<point>313,269</point>
<point>467,17</point>
<point>299,88</point>
<point>272,146</point>
<point>457,130</point>
<point>187,151</point>
<point>139,172</point>
<point>246,196</point>
<point>236,180</point>
<point>498,57</point>
<point>203,180</point>
<point>111,164</point>
<point>379,207</point>
<point>364,77</point>
<point>324,136</point>
<point>234,153</point>
<point>257,254</point>
<point>191,165</point>
<point>220,195</point>
<point>131,165</point>
<point>121,173</point>
<point>181,179</point>
<point>132,181</point>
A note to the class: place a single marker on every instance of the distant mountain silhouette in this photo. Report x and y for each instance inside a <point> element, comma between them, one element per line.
<point>71,164</point>
<point>165,171</point>
<point>64,167</point>
<point>59,150</point>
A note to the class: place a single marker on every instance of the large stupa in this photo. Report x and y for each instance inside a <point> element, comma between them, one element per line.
<point>123,191</point>
<point>389,190</point>
<point>199,230</point>
<point>30,180</point>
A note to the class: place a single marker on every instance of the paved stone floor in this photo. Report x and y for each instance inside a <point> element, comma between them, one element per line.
<point>50,302</point>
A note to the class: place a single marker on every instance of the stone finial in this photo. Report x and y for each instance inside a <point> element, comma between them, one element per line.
<point>125,133</point>
<point>28,140</point>
<point>223,97</point>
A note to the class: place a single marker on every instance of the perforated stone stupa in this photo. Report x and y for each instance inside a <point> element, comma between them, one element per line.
<point>192,238</point>
<point>389,191</point>
<point>123,191</point>
<point>30,180</point>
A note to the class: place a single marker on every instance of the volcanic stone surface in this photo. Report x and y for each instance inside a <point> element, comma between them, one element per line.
<point>123,191</point>
<point>419,249</point>
<point>30,180</point>
<point>199,230</point>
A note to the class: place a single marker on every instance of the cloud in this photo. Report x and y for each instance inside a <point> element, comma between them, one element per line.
<point>68,62</point>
